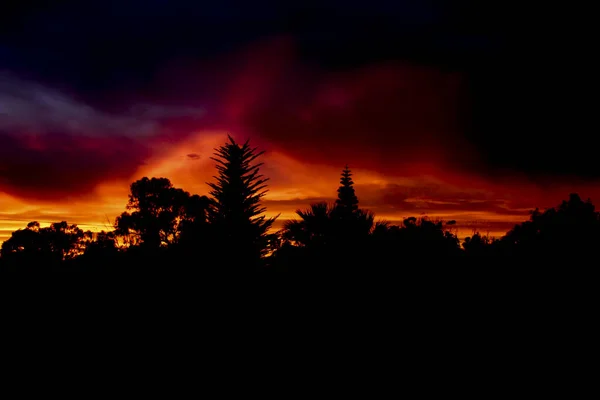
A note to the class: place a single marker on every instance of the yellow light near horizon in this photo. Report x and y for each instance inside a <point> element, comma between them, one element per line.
<point>293,185</point>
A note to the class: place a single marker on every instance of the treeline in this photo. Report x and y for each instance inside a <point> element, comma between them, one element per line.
<point>164,227</point>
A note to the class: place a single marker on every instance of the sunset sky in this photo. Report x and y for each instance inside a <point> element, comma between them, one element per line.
<point>444,109</point>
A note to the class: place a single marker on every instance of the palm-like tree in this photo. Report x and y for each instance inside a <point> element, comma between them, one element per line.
<point>320,225</point>
<point>314,226</point>
<point>331,234</point>
<point>365,221</point>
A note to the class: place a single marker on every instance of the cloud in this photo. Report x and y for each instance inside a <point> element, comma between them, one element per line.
<point>53,145</point>
<point>393,118</point>
<point>156,112</point>
<point>28,107</point>
<point>55,166</point>
<point>389,117</point>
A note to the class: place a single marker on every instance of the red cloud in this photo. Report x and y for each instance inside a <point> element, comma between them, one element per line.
<point>389,118</point>
<point>52,166</point>
<point>392,118</point>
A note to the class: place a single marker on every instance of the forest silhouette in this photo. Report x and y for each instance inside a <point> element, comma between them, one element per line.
<point>167,228</point>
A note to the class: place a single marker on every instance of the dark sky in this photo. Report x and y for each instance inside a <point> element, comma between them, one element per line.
<point>528,72</point>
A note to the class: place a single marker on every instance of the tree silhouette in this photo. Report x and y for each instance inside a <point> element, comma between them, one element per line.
<point>351,223</point>
<point>572,228</point>
<point>314,228</point>
<point>39,247</point>
<point>66,240</point>
<point>158,212</point>
<point>323,224</point>
<point>167,227</point>
<point>193,225</point>
<point>428,239</point>
<point>333,236</point>
<point>477,245</point>
<point>347,202</point>
<point>236,214</point>
<point>101,244</point>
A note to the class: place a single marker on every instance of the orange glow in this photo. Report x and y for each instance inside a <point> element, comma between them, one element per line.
<point>473,203</point>
<point>398,126</point>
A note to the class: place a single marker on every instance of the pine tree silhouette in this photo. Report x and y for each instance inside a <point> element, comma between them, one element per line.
<point>347,202</point>
<point>236,212</point>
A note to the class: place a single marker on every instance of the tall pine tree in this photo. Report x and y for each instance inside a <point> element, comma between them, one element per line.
<point>351,223</point>
<point>236,213</point>
<point>347,202</point>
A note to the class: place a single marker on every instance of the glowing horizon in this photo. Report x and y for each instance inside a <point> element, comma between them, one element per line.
<point>294,184</point>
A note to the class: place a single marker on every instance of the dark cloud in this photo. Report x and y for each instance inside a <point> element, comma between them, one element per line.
<point>54,145</point>
<point>428,197</point>
<point>30,107</point>
<point>417,200</point>
<point>53,166</point>
<point>301,203</point>
<point>383,117</point>
<point>193,156</point>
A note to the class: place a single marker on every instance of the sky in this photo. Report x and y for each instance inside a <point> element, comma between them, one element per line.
<point>451,109</point>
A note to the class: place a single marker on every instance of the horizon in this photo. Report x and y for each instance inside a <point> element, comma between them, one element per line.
<point>427,196</point>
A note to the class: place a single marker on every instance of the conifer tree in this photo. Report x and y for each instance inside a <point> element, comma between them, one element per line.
<point>347,202</point>
<point>236,212</point>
